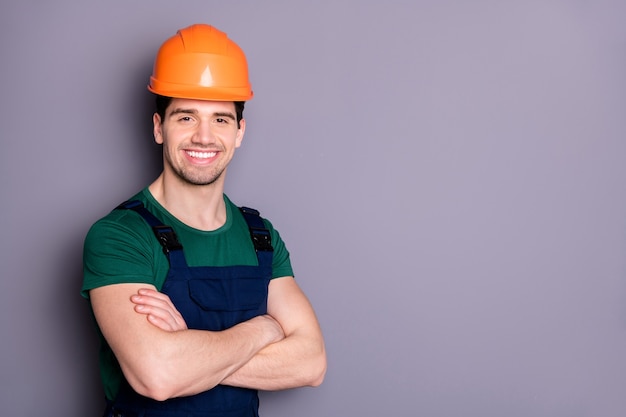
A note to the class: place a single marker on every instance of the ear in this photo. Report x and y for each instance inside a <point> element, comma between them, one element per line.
<point>240,132</point>
<point>157,128</point>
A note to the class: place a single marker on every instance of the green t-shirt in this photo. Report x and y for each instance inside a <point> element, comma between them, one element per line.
<point>122,248</point>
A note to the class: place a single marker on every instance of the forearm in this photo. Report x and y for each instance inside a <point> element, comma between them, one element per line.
<point>296,361</point>
<point>191,361</point>
<point>295,358</point>
<point>161,363</point>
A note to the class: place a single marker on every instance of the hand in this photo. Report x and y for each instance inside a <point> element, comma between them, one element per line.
<point>159,310</point>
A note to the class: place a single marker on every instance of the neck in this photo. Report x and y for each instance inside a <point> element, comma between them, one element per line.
<point>200,207</point>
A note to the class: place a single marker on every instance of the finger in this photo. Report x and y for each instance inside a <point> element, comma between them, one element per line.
<point>160,323</point>
<point>153,293</point>
<point>162,318</point>
<point>161,313</point>
<point>146,296</point>
<point>152,301</point>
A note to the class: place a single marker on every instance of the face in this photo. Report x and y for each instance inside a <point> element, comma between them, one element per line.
<point>199,139</point>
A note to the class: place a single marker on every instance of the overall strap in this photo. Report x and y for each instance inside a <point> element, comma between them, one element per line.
<point>164,234</point>
<point>260,235</point>
<point>172,248</point>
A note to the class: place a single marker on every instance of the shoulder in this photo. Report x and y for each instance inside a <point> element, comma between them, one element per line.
<point>120,230</point>
<point>120,248</point>
<point>281,259</point>
<point>240,221</point>
<point>118,221</point>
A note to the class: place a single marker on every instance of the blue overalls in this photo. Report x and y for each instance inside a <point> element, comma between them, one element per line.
<point>209,298</point>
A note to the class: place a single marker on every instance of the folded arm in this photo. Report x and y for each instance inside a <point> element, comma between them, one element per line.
<point>162,363</point>
<point>297,360</point>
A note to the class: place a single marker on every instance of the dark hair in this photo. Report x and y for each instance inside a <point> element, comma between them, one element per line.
<point>162,102</point>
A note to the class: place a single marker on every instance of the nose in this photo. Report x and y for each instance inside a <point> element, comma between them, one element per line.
<point>204,134</point>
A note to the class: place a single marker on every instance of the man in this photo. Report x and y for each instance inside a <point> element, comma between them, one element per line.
<point>195,298</point>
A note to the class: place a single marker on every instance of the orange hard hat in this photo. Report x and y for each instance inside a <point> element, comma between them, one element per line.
<point>200,62</point>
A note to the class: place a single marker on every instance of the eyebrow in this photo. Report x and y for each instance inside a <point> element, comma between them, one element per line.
<point>193,111</point>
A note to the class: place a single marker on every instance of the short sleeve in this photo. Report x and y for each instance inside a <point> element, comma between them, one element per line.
<point>117,249</point>
<point>281,264</point>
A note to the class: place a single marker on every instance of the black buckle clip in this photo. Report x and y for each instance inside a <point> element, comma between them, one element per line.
<point>262,239</point>
<point>167,238</point>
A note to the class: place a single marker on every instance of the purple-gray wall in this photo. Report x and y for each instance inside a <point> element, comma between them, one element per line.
<point>448,175</point>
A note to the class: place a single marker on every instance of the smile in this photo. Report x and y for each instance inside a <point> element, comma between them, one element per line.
<point>201,155</point>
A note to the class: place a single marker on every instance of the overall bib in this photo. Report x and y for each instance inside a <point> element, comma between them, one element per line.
<point>209,298</point>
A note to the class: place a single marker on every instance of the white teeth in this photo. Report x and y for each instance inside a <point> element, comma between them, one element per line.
<point>195,154</point>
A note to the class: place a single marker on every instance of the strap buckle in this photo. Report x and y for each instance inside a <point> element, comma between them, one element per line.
<point>167,238</point>
<point>262,239</point>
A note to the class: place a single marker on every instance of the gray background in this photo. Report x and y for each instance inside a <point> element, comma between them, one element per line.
<point>448,175</point>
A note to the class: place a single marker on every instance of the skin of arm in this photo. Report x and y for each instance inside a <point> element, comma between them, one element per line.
<point>297,360</point>
<point>163,364</point>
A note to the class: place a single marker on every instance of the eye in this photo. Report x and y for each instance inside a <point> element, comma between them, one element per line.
<point>221,120</point>
<point>185,119</point>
